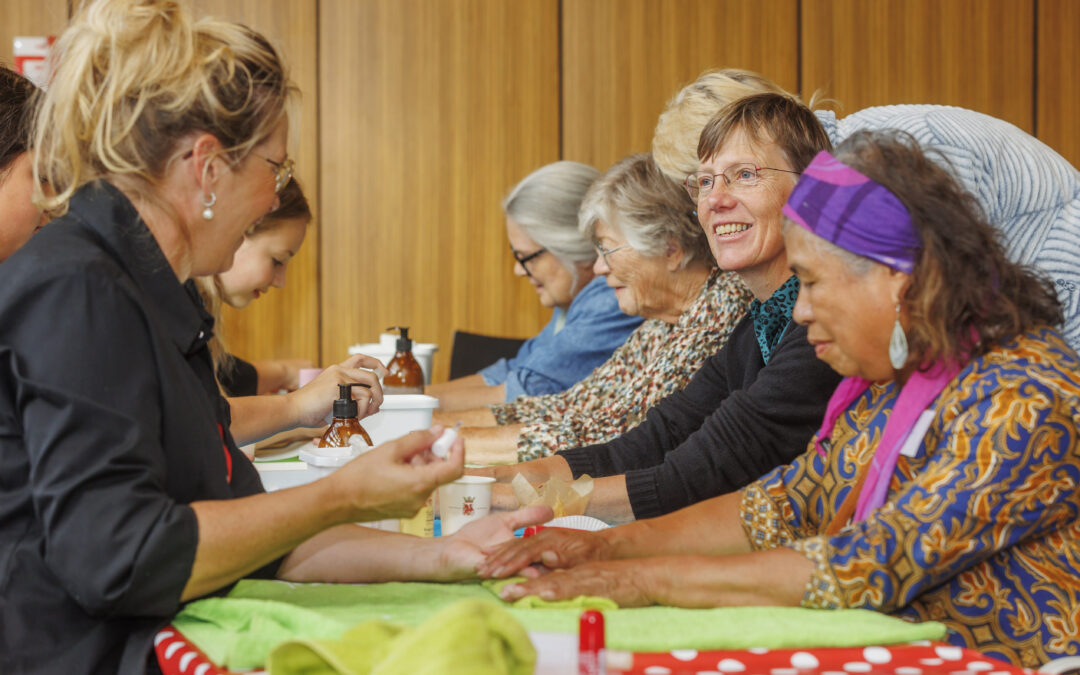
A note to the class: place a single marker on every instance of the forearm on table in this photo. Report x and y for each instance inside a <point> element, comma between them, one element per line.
<point>535,471</point>
<point>465,398</point>
<point>473,417</point>
<point>238,536</point>
<point>257,417</point>
<point>354,554</point>
<point>467,382</point>
<point>777,577</point>
<point>491,445</point>
<point>712,527</point>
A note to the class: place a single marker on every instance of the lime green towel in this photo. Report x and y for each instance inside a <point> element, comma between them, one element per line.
<point>230,635</point>
<point>470,637</point>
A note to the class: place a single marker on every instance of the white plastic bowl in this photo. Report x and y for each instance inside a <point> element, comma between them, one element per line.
<point>399,414</point>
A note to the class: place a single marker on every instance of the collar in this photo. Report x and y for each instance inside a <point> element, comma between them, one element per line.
<point>112,217</point>
<point>772,316</point>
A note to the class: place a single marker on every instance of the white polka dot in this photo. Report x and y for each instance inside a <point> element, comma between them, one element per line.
<point>163,635</point>
<point>186,660</point>
<point>876,655</point>
<point>931,662</point>
<point>730,666</point>
<point>908,670</point>
<point>784,671</point>
<point>758,650</point>
<point>658,670</point>
<point>201,670</point>
<point>949,653</point>
<point>708,672</point>
<point>684,654</point>
<point>173,648</point>
<point>804,660</point>
<point>978,666</point>
<point>858,667</point>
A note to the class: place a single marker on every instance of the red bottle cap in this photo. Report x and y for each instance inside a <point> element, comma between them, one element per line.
<point>591,643</point>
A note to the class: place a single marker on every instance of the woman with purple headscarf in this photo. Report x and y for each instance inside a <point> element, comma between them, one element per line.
<point>944,482</point>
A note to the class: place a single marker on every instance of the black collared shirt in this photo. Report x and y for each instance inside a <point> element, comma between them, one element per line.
<point>110,425</point>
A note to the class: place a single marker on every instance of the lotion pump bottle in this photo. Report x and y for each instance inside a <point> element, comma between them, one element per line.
<point>403,373</point>
<point>346,422</point>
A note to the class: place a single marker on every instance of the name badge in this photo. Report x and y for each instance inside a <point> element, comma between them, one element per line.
<point>914,441</point>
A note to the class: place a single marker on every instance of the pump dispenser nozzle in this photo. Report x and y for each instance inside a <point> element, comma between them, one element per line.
<point>404,344</point>
<point>345,406</point>
<point>346,422</point>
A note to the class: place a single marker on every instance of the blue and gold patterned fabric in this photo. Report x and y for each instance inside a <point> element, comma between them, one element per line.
<point>981,527</point>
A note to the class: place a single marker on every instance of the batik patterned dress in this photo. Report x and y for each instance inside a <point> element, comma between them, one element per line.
<point>981,526</point>
<point>656,360</point>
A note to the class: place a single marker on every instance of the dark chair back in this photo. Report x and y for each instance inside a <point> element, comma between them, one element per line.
<point>473,351</point>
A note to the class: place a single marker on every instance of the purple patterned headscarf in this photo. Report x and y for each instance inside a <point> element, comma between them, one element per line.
<point>847,208</point>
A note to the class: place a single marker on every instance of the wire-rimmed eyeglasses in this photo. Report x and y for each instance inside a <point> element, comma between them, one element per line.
<point>283,172</point>
<point>605,252</point>
<point>700,183</point>
<point>524,260</point>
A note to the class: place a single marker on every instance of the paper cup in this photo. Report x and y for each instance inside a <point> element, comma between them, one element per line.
<point>463,501</point>
<point>306,375</point>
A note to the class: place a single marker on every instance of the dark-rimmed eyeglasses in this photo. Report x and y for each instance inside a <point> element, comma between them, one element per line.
<point>700,183</point>
<point>605,252</point>
<point>524,260</point>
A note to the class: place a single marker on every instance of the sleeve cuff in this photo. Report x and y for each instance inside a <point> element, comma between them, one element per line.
<point>644,497</point>
<point>823,588</point>
<point>495,373</point>
<point>580,461</point>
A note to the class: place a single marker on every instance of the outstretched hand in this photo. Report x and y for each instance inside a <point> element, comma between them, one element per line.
<point>554,548</point>
<point>464,550</point>
<point>624,581</point>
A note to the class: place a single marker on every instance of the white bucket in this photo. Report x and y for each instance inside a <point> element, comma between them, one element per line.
<point>399,414</point>
<point>386,347</point>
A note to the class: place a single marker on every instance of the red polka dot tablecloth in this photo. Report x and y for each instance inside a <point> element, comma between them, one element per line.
<point>177,656</point>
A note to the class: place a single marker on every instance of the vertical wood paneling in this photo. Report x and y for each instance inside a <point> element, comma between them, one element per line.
<point>285,322</point>
<point>976,54</point>
<point>1059,76</point>
<point>29,17</point>
<point>623,60</point>
<point>430,111</point>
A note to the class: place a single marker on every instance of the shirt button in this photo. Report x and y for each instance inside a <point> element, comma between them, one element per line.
<point>201,333</point>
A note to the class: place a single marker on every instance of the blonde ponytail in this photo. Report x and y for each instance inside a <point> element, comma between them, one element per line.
<point>135,76</point>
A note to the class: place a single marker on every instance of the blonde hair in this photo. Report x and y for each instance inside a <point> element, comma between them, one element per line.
<point>135,76</point>
<point>648,208</point>
<point>675,140</point>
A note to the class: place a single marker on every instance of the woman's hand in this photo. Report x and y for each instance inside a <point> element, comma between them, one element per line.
<point>463,551</point>
<point>395,479</point>
<point>314,401</point>
<point>627,582</point>
<point>554,548</point>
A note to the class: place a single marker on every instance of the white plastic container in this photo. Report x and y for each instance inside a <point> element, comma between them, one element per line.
<point>399,414</point>
<point>385,348</point>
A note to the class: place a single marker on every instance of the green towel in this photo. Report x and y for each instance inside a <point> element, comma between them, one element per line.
<point>470,637</point>
<point>227,633</point>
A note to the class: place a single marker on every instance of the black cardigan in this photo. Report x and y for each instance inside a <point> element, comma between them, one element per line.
<point>736,419</point>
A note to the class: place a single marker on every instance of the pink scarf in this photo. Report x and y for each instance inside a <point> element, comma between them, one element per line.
<point>921,389</point>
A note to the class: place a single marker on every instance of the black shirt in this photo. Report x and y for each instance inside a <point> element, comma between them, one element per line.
<point>736,419</point>
<point>110,425</point>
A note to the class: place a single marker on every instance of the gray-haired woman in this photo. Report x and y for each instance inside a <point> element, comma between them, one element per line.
<point>587,324</point>
<point>655,255</point>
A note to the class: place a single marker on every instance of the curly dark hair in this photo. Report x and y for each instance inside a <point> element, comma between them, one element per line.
<point>786,121</point>
<point>963,287</point>
<point>16,113</point>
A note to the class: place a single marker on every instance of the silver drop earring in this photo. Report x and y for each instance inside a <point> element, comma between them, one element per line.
<point>208,213</point>
<point>898,348</point>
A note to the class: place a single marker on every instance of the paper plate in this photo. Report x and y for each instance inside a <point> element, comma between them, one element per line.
<point>578,523</point>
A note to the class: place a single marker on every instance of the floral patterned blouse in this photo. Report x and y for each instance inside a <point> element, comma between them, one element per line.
<point>657,359</point>
<point>981,526</point>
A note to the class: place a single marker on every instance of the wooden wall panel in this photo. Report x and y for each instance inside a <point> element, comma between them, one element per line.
<point>623,60</point>
<point>430,111</point>
<point>285,322</point>
<point>1058,90</point>
<point>977,54</point>
<point>29,17</point>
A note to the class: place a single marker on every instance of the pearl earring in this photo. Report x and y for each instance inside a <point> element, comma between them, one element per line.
<point>208,213</point>
<point>898,347</point>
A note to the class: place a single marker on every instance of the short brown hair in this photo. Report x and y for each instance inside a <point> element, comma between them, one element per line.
<point>292,204</point>
<point>963,286</point>
<point>787,122</point>
<point>16,113</point>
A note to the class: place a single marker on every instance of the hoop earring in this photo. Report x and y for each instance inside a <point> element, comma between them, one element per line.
<point>898,347</point>
<point>208,213</point>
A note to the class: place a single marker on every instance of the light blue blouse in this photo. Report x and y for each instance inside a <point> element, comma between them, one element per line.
<point>559,356</point>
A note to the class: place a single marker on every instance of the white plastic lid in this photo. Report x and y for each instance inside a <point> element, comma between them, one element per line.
<point>408,402</point>
<point>374,349</point>
<point>328,457</point>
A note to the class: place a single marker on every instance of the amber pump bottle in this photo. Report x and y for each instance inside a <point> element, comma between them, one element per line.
<point>403,373</point>
<point>346,423</point>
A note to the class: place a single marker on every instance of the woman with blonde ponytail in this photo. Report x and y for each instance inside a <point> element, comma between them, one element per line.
<point>122,491</point>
